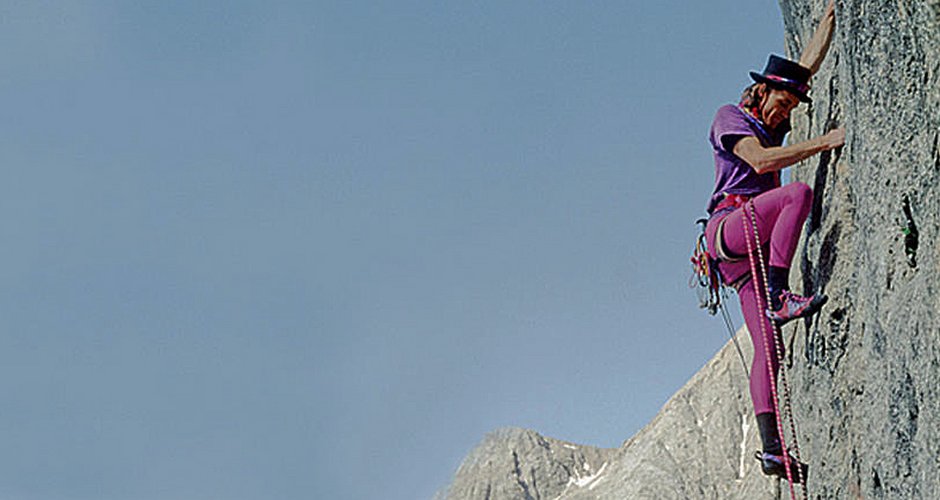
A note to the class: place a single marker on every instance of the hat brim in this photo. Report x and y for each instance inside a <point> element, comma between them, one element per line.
<point>759,78</point>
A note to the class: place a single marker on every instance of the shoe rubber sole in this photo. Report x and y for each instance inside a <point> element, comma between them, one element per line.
<point>810,310</point>
<point>777,469</point>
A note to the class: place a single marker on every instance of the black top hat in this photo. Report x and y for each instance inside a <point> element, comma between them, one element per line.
<point>784,74</point>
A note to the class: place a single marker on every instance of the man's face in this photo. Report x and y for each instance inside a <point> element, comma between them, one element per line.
<point>776,106</point>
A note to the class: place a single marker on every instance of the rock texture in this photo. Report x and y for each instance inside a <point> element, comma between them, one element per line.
<point>865,372</point>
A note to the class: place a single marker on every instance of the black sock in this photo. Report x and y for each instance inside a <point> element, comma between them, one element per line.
<point>779,280</point>
<point>770,439</point>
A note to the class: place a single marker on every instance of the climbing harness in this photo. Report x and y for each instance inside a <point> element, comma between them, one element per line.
<point>712,293</point>
<point>751,217</point>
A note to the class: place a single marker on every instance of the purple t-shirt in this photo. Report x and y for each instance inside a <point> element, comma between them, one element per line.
<point>732,174</point>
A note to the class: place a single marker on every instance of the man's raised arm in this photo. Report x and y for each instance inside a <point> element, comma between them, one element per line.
<point>815,52</point>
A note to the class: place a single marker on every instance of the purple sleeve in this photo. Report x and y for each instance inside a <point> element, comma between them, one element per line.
<point>729,127</point>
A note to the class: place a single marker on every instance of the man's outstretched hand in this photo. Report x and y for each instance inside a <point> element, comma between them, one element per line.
<point>833,139</point>
<point>830,11</point>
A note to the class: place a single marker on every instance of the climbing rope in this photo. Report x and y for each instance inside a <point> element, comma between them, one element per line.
<point>750,213</point>
<point>727,317</point>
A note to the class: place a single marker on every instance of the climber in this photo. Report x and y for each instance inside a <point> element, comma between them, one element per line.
<point>749,153</point>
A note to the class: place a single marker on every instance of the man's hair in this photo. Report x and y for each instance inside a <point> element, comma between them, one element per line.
<point>751,96</point>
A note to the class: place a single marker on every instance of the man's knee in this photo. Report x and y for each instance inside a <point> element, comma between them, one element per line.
<point>800,192</point>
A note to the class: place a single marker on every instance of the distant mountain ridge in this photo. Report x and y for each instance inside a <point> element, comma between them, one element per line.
<point>698,446</point>
<point>520,463</point>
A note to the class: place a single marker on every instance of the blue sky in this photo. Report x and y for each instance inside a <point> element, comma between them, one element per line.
<point>291,250</point>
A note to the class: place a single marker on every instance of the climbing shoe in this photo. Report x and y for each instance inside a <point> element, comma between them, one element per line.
<point>772,465</point>
<point>788,306</point>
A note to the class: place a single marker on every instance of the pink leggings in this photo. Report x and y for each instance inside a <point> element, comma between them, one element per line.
<point>780,214</point>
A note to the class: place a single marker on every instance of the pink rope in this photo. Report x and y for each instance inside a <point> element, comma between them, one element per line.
<point>788,407</point>
<point>770,368</point>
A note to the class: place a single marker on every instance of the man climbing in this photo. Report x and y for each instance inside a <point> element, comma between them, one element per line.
<point>749,153</point>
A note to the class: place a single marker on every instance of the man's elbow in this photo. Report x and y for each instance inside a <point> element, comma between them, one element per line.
<point>755,155</point>
<point>762,166</point>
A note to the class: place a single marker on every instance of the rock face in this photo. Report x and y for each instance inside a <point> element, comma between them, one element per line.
<point>865,372</point>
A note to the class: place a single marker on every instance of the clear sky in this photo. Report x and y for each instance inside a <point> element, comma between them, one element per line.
<point>294,250</point>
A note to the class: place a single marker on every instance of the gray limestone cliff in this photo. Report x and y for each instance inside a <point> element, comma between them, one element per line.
<point>865,372</point>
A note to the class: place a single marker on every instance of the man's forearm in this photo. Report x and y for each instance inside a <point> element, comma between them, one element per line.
<point>764,160</point>
<point>778,158</point>
<point>815,52</point>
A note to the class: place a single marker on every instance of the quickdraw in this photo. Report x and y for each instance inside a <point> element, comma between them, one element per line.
<point>707,281</point>
<point>705,278</point>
